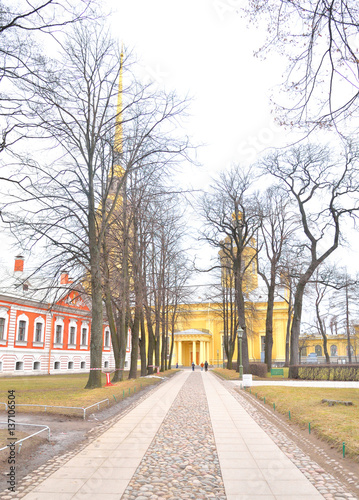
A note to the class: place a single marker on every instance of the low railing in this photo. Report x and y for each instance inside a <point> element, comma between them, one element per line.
<point>44,428</point>
<point>80,408</point>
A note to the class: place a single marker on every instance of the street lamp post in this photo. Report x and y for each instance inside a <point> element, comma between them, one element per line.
<point>240,337</point>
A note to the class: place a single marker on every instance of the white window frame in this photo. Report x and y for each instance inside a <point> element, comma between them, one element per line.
<point>40,342</point>
<point>24,318</point>
<point>4,315</point>
<point>107,335</point>
<point>59,322</point>
<point>84,326</point>
<point>72,324</point>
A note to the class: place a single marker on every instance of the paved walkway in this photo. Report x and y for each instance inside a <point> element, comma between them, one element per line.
<point>304,383</point>
<point>190,438</point>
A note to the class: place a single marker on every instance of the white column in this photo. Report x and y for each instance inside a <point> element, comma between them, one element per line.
<point>201,352</point>
<point>179,352</point>
<point>194,351</point>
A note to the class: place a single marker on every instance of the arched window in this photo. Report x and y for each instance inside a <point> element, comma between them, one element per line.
<point>84,334</point>
<point>3,325</point>
<point>72,334</point>
<point>318,350</point>
<point>39,329</point>
<point>351,350</point>
<point>22,328</point>
<point>107,338</point>
<point>333,350</point>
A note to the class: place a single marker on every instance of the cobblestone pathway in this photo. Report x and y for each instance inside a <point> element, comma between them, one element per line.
<point>182,460</point>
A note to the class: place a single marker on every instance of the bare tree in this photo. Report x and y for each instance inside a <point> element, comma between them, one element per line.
<point>232,219</point>
<point>75,198</point>
<point>319,38</point>
<point>23,26</point>
<point>321,186</point>
<point>276,229</point>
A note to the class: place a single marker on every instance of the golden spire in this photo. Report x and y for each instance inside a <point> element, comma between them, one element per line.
<point>118,149</point>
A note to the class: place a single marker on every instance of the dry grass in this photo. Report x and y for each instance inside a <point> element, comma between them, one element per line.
<point>226,374</point>
<point>68,390</point>
<point>335,424</point>
<point>233,375</point>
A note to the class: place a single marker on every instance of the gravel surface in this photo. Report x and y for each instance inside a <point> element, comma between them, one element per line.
<point>182,461</point>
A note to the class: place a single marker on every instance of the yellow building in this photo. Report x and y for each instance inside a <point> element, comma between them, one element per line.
<point>200,331</point>
<point>337,347</point>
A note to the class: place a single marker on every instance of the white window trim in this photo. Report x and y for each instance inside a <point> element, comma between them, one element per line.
<point>40,342</point>
<point>72,346</point>
<point>5,315</point>
<point>84,325</point>
<point>22,317</point>
<point>59,322</point>
<point>108,346</point>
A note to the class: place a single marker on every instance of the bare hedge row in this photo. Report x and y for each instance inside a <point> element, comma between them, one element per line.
<point>329,372</point>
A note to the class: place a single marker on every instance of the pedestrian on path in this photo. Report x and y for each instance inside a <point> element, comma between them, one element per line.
<point>202,365</point>
<point>193,366</point>
<point>205,366</point>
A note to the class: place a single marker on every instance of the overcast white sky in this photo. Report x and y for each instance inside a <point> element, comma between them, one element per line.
<point>204,49</point>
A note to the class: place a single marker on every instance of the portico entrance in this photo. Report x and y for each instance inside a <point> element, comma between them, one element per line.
<point>192,345</point>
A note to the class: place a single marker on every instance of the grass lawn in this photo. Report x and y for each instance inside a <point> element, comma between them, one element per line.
<point>233,375</point>
<point>335,424</point>
<point>68,390</point>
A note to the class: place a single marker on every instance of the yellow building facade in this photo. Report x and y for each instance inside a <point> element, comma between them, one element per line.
<point>199,334</point>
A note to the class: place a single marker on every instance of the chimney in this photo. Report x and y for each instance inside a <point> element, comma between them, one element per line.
<point>64,279</point>
<point>19,264</point>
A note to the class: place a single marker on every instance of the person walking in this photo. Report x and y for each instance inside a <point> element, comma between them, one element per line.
<point>205,366</point>
<point>202,365</point>
<point>193,365</point>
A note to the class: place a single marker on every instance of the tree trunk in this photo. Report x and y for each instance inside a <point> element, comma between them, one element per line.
<point>151,343</point>
<point>96,342</point>
<point>287,336</point>
<point>135,342</point>
<point>295,330</point>
<point>347,324</point>
<point>143,346</point>
<point>269,326</point>
<point>114,337</point>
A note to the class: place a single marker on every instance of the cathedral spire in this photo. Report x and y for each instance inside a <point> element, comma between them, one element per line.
<point>118,139</point>
<point>118,128</point>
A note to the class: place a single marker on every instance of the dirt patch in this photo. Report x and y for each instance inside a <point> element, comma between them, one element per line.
<point>66,434</point>
<point>345,470</point>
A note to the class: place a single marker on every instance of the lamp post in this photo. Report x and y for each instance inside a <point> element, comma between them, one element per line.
<point>240,336</point>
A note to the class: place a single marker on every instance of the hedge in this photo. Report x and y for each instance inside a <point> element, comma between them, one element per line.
<point>258,369</point>
<point>349,372</point>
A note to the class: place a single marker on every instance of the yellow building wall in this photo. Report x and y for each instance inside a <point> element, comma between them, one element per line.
<point>206,318</point>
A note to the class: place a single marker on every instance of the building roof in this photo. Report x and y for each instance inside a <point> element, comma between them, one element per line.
<point>24,286</point>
